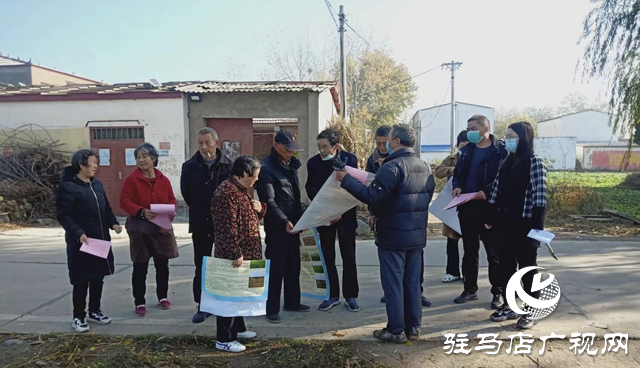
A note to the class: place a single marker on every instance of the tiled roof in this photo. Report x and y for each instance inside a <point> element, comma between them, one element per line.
<point>217,87</point>
<point>275,121</point>
<point>85,88</point>
<point>184,87</point>
<point>7,61</point>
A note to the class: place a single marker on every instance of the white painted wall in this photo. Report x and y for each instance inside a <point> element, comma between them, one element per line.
<point>163,120</point>
<point>435,124</point>
<point>558,153</point>
<point>326,110</point>
<point>586,126</point>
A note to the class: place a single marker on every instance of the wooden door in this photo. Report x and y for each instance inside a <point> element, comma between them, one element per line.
<point>115,146</point>
<point>235,136</point>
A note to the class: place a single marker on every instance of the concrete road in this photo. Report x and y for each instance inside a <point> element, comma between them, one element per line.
<point>599,282</point>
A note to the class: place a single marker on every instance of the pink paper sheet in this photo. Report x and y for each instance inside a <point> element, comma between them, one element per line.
<point>162,218</point>
<point>96,247</point>
<point>359,175</point>
<point>462,199</point>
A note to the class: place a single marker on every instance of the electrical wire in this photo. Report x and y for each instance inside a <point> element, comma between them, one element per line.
<point>439,107</point>
<point>402,81</point>
<point>357,34</point>
<point>331,11</point>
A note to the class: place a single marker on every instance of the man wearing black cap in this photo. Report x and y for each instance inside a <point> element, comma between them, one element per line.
<point>278,186</point>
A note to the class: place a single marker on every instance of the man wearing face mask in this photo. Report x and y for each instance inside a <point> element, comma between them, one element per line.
<point>476,169</point>
<point>319,168</point>
<point>200,178</point>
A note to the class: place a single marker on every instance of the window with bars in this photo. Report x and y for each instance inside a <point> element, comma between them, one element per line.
<point>117,133</point>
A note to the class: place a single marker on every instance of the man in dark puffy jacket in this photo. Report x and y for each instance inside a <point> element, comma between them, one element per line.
<point>476,169</point>
<point>200,178</point>
<point>278,186</point>
<point>399,198</point>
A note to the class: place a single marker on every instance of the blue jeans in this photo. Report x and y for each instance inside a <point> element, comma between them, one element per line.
<point>400,275</point>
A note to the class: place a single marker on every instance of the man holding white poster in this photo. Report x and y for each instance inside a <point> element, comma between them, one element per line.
<point>319,169</point>
<point>399,197</point>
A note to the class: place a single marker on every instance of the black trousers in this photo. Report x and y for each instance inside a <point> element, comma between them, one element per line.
<point>139,279</point>
<point>228,328</point>
<point>94,287</point>
<point>473,230</point>
<point>513,258</point>
<point>347,243</point>
<point>285,265</point>
<point>453,257</point>
<point>202,246</point>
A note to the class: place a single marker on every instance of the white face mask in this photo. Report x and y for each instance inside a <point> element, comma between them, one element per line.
<point>327,158</point>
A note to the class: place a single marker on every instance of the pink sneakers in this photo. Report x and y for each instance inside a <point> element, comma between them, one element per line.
<point>164,304</point>
<point>141,311</point>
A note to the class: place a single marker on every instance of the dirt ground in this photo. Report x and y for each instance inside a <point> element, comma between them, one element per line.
<point>198,351</point>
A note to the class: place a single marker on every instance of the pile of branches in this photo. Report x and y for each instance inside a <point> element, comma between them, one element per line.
<point>30,166</point>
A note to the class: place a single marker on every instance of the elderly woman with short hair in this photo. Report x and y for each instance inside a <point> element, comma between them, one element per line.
<point>236,217</point>
<point>146,186</point>
<point>83,210</point>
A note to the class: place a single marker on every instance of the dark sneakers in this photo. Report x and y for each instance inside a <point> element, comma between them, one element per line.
<point>352,305</point>
<point>502,314</point>
<point>383,300</point>
<point>497,302</point>
<point>466,296</point>
<point>274,318</point>
<point>99,318</point>
<point>413,334</point>
<point>525,323</point>
<point>387,336</point>
<point>426,302</point>
<point>301,308</point>
<point>200,317</point>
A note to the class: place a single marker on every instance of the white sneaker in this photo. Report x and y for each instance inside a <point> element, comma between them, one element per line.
<point>79,326</point>
<point>99,318</point>
<point>232,347</point>
<point>247,335</point>
<point>450,278</point>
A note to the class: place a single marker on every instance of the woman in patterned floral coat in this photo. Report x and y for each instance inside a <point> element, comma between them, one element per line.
<point>236,219</point>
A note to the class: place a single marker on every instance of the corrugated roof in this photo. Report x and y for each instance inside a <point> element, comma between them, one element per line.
<point>226,87</point>
<point>7,61</point>
<point>573,113</point>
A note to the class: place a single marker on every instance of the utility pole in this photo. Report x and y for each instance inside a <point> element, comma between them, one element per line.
<point>453,66</point>
<point>343,67</point>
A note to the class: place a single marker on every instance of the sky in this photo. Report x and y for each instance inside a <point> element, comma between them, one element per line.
<point>515,53</point>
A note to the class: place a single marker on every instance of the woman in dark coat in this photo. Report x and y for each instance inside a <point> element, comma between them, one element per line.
<point>144,187</point>
<point>84,212</point>
<point>236,218</point>
<point>519,194</point>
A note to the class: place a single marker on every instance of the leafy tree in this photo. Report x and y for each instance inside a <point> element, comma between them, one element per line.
<point>612,36</point>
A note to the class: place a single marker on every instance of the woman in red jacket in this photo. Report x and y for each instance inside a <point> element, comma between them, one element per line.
<point>146,186</point>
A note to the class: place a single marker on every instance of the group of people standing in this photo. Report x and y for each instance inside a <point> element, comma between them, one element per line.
<point>224,221</point>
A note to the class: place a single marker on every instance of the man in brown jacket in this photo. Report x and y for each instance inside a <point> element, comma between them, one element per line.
<point>445,170</point>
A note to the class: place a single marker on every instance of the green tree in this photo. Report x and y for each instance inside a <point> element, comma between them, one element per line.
<point>612,36</point>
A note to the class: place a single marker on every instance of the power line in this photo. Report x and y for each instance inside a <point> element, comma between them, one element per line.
<point>439,107</point>
<point>357,34</point>
<point>402,81</point>
<point>331,11</point>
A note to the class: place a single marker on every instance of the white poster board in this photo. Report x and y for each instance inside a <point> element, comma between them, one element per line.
<point>105,156</point>
<point>130,158</point>
<point>448,217</point>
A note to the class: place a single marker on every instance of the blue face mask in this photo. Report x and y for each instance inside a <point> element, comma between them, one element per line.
<point>329,157</point>
<point>389,150</point>
<point>474,136</point>
<point>512,144</point>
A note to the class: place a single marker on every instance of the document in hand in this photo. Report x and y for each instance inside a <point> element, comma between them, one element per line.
<point>96,247</point>
<point>163,211</point>
<point>462,199</point>
<point>331,202</point>
<point>314,282</point>
<point>448,217</point>
<point>544,237</point>
<point>229,291</point>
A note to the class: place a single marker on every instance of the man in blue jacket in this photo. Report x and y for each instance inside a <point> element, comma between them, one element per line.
<point>476,170</point>
<point>200,178</point>
<point>399,197</point>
